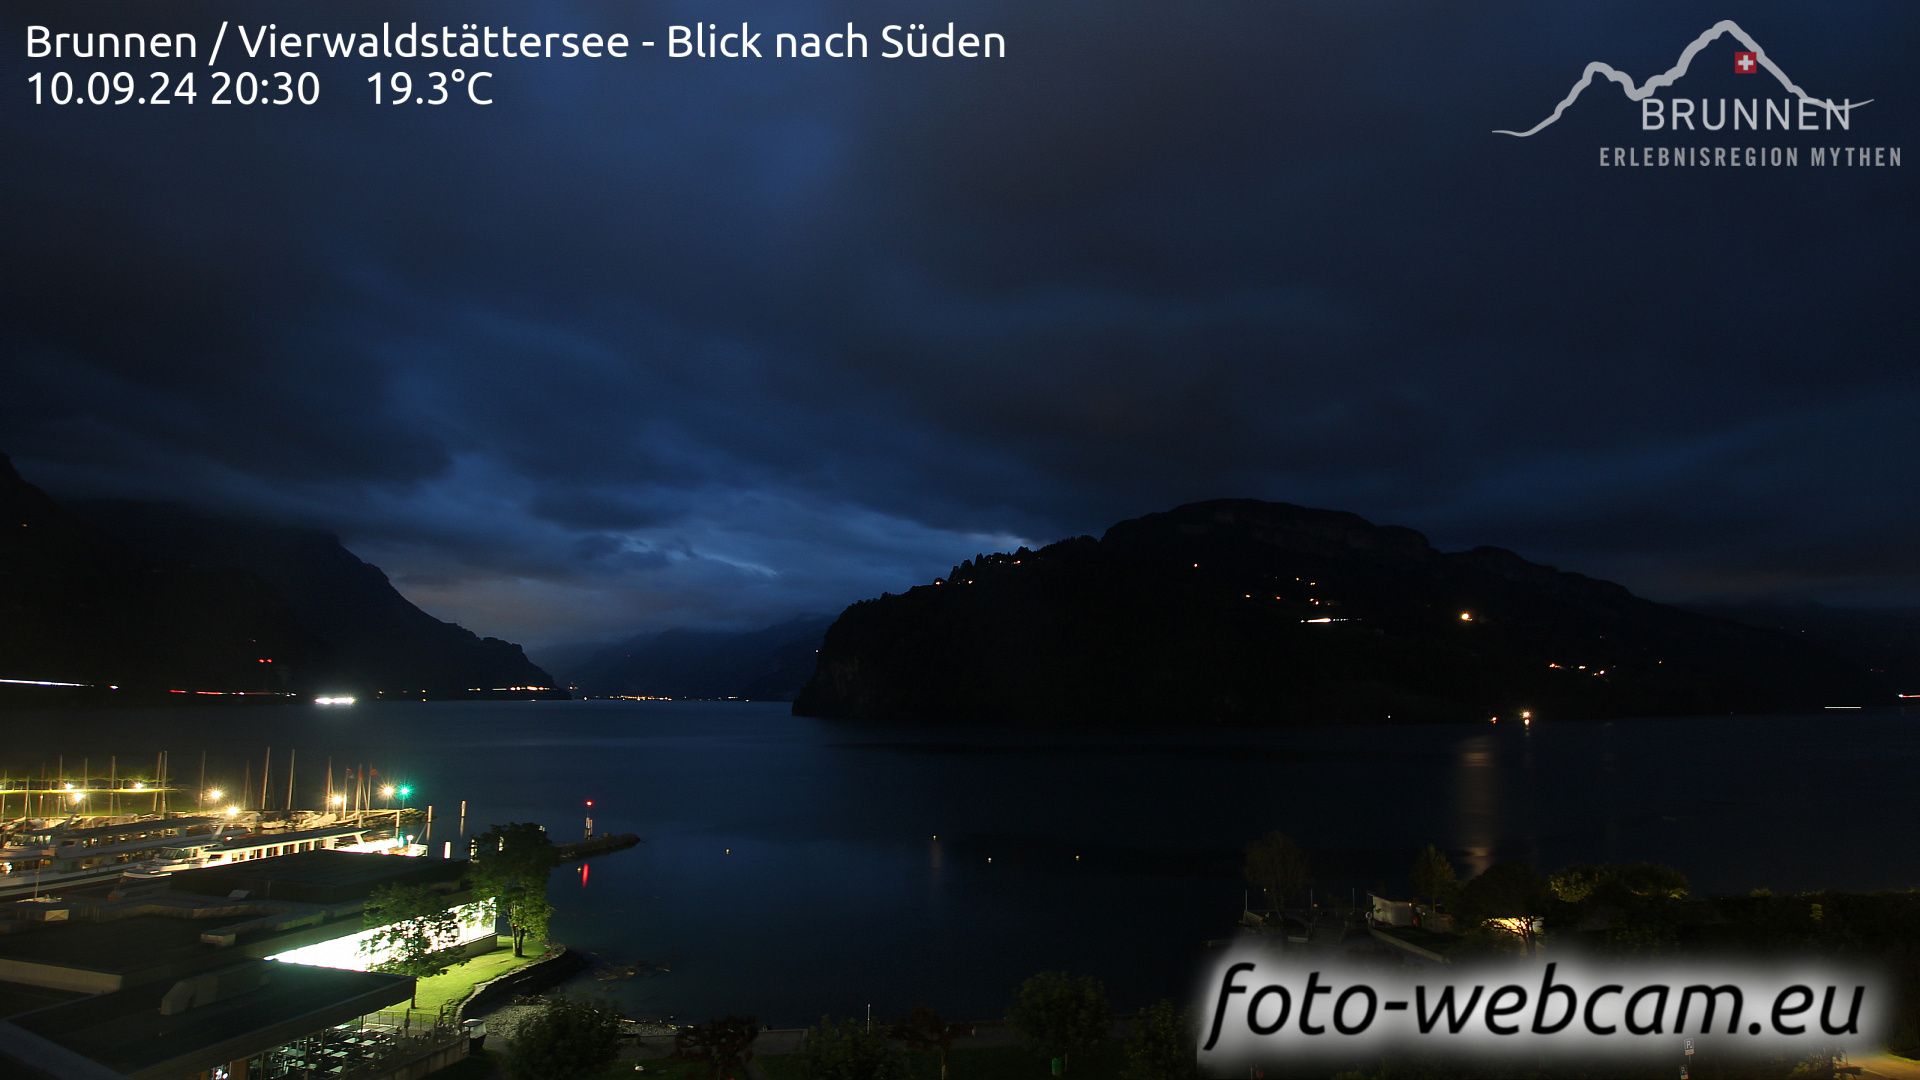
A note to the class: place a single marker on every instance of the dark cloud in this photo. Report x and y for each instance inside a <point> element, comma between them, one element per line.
<point>653,344</point>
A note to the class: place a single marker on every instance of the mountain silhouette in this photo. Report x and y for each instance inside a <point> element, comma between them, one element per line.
<point>155,597</point>
<point>1246,612</point>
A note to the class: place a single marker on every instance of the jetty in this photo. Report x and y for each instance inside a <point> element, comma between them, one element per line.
<point>596,845</point>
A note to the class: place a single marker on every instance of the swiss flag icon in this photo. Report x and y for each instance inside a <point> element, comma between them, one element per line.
<point>1746,63</point>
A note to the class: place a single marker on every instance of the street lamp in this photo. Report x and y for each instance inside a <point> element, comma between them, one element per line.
<point>386,793</point>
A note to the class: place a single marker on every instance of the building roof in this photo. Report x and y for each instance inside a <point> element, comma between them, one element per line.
<point>126,1031</point>
<point>118,946</point>
<point>317,877</point>
<point>16,998</point>
<point>197,921</point>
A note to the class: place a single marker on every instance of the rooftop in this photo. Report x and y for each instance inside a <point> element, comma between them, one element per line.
<point>317,877</point>
<point>118,946</point>
<point>126,1031</point>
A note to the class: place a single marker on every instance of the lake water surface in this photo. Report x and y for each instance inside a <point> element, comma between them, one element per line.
<point>791,866</point>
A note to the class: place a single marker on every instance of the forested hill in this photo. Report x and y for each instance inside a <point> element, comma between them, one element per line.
<point>154,597</point>
<point>1251,612</point>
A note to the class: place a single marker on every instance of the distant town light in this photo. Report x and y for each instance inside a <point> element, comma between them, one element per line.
<point>334,699</point>
<point>138,785</point>
<point>1466,616</point>
<point>213,794</point>
<point>78,796</point>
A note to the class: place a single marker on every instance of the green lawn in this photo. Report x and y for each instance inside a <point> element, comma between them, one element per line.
<point>462,978</point>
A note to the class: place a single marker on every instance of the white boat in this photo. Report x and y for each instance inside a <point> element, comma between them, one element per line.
<point>48,858</point>
<point>270,843</point>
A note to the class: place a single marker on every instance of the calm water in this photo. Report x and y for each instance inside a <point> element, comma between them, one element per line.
<point>1116,857</point>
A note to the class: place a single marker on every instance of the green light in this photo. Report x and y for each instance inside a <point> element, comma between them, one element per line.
<point>406,792</point>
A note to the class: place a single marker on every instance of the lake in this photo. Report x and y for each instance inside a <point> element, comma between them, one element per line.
<point>796,867</point>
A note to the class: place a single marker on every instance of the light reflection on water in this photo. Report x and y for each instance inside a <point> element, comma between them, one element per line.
<point>835,893</point>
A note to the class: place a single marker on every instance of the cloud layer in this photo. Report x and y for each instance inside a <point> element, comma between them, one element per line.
<point>649,344</point>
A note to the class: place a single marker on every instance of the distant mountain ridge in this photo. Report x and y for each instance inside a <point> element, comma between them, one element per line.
<point>155,597</point>
<point>769,664</point>
<point>1248,612</point>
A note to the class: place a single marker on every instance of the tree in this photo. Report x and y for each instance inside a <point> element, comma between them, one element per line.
<point>1617,883</point>
<point>412,930</point>
<point>1060,1013</point>
<point>926,1030</point>
<point>848,1051</point>
<point>567,1038</point>
<point>1508,898</point>
<point>719,1045</point>
<point>1433,877</point>
<point>532,913</point>
<point>510,866</point>
<point>1277,867</point>
<point>1161,1043</point>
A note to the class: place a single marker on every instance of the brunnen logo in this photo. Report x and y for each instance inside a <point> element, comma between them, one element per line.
<point>1791,110</point>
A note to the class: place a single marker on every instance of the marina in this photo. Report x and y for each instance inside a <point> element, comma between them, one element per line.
<point>40,858</point>
<point>60,831</point>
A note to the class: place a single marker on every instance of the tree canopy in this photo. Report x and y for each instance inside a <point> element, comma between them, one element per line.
<point>1433,877</point>
<point>412,929</point>
<point>1509,898</point>
<point>567,1038</point>
<point>1060,1013</point>
<point>510,865</point>
<point>1277,867</point>
<point>720,1045</point>
<point>927,1030</point>
<point>848,1051</point>
<point>1161,1042</point>
<point>1619,882</point>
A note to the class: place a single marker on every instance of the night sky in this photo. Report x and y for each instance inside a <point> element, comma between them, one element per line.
<point>654,344</point>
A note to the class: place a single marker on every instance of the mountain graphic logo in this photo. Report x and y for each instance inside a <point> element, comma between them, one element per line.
<point>1749,60</point>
